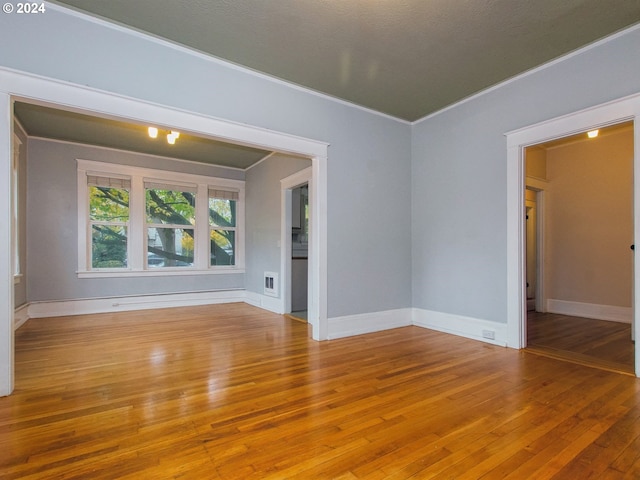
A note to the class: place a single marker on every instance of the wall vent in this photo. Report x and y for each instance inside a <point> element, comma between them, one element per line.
<point>271,284</point>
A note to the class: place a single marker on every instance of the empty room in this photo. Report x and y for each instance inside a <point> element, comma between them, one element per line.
<point>289,239</point>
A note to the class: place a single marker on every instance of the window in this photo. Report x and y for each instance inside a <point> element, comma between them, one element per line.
<point>136,221</point>
<point>222,226</point>
<point>171,217</point>
<point>108,221</point>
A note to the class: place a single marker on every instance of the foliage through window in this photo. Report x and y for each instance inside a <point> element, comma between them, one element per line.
<point>222,222</point>
<point>142,220</point>
<point>109,221</point>
<point>171,217</point>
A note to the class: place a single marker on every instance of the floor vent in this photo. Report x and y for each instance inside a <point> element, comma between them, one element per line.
<point>271,284</point>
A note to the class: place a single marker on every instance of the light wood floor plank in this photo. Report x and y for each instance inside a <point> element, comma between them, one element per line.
<point>233,392</point>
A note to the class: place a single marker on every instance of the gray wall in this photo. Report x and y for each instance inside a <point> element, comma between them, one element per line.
<point>445,236</point>
<point>20,289</point>
<point>263,210</point>
<point>52,247</point>
<point>369,168</point>
<point>459,174</point>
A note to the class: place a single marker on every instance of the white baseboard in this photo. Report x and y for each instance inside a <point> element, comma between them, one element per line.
<point>20,316</point>
<point>275,305</point>
<point>468,327</point>
<point>339,327</point>
<point>120,304</point>
<point>590,310</point>
<point>359,324</point>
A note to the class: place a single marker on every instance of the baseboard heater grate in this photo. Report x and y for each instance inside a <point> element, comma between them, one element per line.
<point>271,284</point>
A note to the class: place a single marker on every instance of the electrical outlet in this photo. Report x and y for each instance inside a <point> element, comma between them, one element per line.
<point>489,334</point>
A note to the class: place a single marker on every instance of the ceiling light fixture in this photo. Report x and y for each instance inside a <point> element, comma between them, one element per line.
<point>172,135</point>
<point>593,133</point>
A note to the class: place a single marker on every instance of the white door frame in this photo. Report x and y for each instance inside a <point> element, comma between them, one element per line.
<point>6,248</point>
<point>617,111</point>
<point>532,223</point>
<point>287,185</point>
<point>539,187</point>
<point>35,89</point>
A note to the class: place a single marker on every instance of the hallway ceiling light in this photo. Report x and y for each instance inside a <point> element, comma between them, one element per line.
<point>593,133</point>
<point>153,132</point>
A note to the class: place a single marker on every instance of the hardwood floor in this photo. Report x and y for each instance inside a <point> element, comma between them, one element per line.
<point>233,392</point>
<point>591,342</point>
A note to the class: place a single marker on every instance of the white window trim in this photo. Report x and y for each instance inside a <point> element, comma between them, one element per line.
<point>137,221</point>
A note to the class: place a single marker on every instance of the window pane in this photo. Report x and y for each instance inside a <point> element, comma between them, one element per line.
<point>108,204</point>
<point>169,247</point>
<point>222,213</point>
<point>223,247</point>
<point>108,246</point>
<point>171,207</point>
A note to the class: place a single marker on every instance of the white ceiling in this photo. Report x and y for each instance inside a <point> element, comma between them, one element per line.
<point>406,58</point>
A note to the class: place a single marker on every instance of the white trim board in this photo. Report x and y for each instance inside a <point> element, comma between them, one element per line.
<point>610,313</point>
<point>339,327</point>
<point>20,316</point>
<point>350,325</point>
<point>468,327</point>
<point>265,302</point>
<point>6,251</point>
<point>65,308</point>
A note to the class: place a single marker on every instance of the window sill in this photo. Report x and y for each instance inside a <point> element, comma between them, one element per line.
<point>157,273</point>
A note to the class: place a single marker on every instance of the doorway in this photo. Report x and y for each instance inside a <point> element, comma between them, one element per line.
<point>533,243</point>
<point>299,252</point>
<point>297,244</point>
<point>610,113</point>
<point>584,312</point>
<point>17,85</point>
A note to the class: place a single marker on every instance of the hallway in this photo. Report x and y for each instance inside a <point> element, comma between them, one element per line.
<point>586,341</point>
